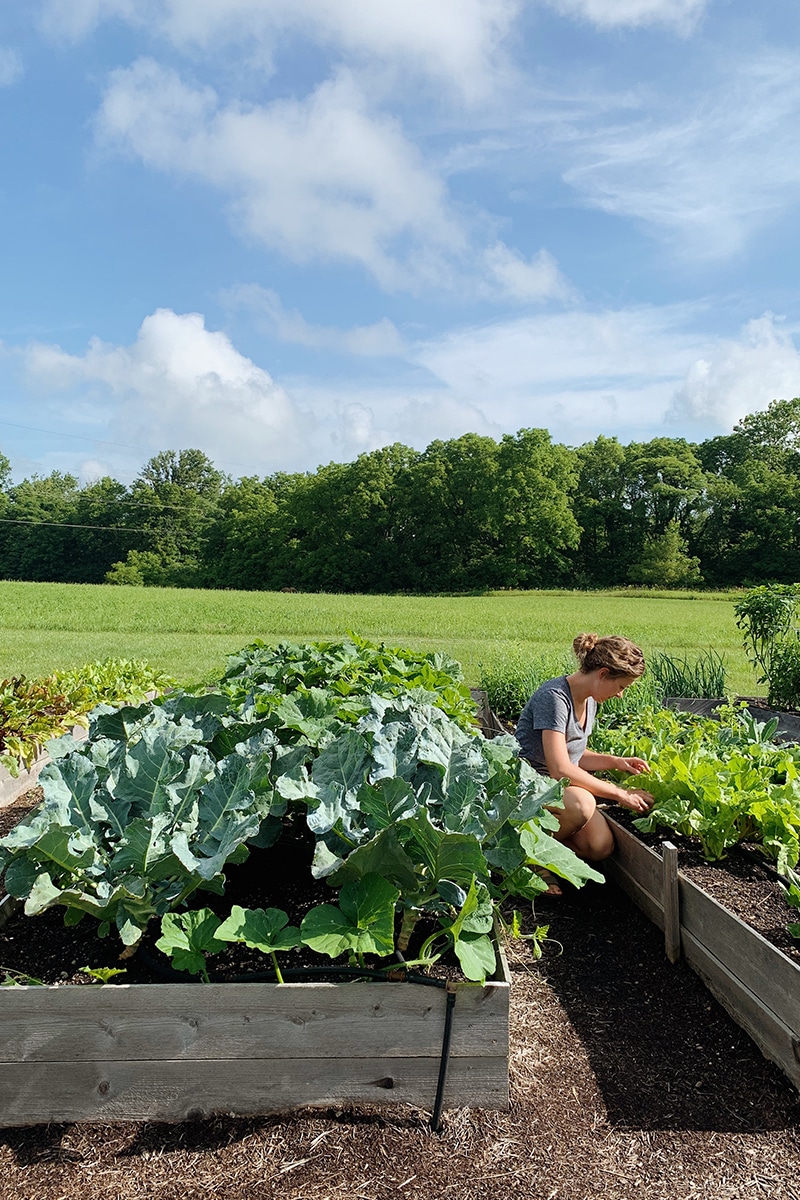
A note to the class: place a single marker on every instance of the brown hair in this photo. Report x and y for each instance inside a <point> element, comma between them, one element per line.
<point>618,655</point>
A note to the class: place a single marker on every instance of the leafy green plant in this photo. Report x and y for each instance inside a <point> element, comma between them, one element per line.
<point>102,974</point>
<point>404,804</point>
<point>33,711</point>
<point>352,667</point>
<point>769,619</point>
<point>264,929</point>
<point>13,978</point>
<point>716,781</point>
<point>187,938</point>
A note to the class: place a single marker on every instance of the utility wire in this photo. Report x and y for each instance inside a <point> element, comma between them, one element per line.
<point>79,437</point>
<point>67,525</point>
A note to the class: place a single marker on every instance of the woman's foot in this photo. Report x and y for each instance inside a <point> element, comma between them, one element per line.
<point>551,880</point>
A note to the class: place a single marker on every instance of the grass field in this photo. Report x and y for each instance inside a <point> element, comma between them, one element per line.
<point>45,626</point>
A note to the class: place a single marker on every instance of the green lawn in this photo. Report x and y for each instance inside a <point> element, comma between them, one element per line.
<point>188,633</point>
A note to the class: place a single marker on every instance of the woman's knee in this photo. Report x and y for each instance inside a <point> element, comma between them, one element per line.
<point>579,805</point>
<point>594,841</point>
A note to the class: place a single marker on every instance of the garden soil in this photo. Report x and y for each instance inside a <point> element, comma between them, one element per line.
<point>628,1082</point>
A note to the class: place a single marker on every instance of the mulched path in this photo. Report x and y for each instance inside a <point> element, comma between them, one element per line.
<point>628,1082</point>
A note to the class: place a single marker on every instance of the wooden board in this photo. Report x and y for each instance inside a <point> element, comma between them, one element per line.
<point>170,1051</point>
<point>776,1041</point>
<point>247,1020</point>
<point>33,1093</point>
<point>754,981</point>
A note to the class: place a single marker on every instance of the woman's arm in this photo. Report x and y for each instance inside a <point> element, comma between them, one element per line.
<point>560,766</point>
<point>611,762</point>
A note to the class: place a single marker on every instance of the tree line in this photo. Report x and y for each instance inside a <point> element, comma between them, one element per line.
<point>466,514</point>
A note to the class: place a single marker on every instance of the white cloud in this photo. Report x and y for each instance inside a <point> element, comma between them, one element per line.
<point>515,278</point>
<point>681,15</point>
<point>11,68</point>
<point>633,373</point>
<point>359,418</point>
<point>178,385</point>
<point>317,178</point>
<point>739,376</point>
<point>381,339</point>
<point>454,41</point>
<point>708,177</point>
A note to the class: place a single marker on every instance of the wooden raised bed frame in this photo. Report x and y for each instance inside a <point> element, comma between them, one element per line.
<point>172,1051</point>
<point>753,980</point>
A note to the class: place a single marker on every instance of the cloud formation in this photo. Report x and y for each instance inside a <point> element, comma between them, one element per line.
<point>178,385</point>
<point>710,171</point>
<point>632,373</point>
<point>739,376</point>
<point>321,177</point>
<point>381,339</point>
<point>680,15</point>
<point>454,42</point>
<point>11,68</point>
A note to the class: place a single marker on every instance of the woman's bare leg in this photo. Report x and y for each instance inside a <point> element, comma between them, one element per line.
<point>582,827</point>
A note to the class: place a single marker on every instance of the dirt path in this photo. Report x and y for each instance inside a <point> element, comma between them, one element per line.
<point>628,1083</point>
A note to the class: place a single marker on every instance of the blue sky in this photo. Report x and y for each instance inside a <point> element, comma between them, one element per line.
<point>291,231</point>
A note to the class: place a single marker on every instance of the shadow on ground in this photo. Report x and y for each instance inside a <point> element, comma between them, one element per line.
<point>665,1055</point>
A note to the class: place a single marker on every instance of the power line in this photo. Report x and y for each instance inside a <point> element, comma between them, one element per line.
<point>79,437</point>
<point>67,525</point>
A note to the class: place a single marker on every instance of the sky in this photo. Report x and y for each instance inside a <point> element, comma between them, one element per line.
<point>288,232</point>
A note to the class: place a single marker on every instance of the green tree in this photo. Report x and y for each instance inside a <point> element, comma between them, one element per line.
<point>665,561</point>
<point>751,532</point>
<point>36,542</point>
<point>174,501</point>
<point>536,526</point>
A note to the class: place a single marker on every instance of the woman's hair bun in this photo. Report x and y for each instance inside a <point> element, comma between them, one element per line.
<point>584,644</point>
<point>618,655</point>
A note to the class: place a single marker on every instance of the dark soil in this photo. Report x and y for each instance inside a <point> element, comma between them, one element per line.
<point>628,1082</point>
<point>744,881</point>
<point>43,949</point>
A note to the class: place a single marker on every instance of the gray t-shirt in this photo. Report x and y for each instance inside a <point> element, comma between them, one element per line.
<point>551,707</point>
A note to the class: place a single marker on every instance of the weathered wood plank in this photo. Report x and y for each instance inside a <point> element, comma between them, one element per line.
<point>777,1041</point>
<point>642,864</point>
<point>754,981</point>
<point>641,898</point>
<point>761,967</point>
<point>258,1021</point>
<point>172,1091</point>
<point>672,903</point>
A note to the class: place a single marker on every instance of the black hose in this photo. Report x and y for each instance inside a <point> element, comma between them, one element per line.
<point>444,1061</point>
<point>166,972</point>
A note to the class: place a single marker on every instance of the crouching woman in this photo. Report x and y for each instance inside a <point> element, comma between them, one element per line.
<point>553,732</point>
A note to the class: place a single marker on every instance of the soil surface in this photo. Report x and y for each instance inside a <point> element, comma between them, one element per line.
<point>628,1082</point>
<point>744,881</point>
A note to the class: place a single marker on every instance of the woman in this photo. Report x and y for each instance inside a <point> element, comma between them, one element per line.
<point>553,731</point>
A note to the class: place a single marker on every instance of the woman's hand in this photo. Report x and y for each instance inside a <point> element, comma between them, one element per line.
<point>636,799</point>
<point>634,766</point>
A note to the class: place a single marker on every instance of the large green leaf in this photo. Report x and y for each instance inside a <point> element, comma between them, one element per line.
<point>545,851</point>
<point>363,923</point>
<point>188,937</point>
<point>264,929</point>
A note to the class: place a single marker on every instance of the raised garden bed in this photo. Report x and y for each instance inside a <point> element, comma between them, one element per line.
<point>754,981</point>
<point>171,1051</point>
